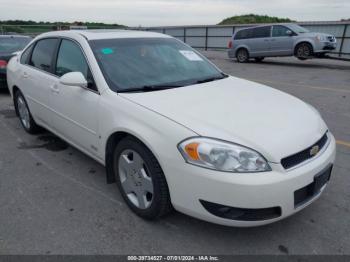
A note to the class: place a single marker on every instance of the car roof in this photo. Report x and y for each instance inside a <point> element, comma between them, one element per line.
<point>105,34</point>
<point>263,25</point>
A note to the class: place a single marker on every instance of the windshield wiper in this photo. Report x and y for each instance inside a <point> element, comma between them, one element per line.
<point>149,88</point>
<point>210,79</point>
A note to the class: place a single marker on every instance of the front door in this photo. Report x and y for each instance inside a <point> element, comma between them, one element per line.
<point>282,42</point>
<point>75,108</point>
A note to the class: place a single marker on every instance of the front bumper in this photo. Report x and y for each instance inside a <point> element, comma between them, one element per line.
<point>191,185</point>
<point>231,53</point>
<point>325,46</point>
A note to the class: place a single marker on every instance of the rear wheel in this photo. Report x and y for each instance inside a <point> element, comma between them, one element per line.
<point>24,114</point>
<point>303,51</point>
<point>242,55</point>
<point>140,179</point>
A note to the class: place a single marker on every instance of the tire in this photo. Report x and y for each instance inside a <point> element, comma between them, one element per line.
<point>242,55</point>
<point>259,59</point>
<point>140,179</point>
<point>303,51</point>
<point>24,114</point>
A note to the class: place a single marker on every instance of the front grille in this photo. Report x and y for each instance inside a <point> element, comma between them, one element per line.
<point>331,38</point>
<point>298,158</point>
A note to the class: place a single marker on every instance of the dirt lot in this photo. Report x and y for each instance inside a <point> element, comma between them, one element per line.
<point>54,199</point>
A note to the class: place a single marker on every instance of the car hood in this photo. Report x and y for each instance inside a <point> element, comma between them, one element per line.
<point>271,122</point>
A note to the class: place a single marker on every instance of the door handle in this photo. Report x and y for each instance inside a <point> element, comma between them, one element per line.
<point>54,89</point>
<point>266,40</point>
<point>25,75</point>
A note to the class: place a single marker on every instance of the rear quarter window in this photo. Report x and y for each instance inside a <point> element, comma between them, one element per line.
<point>43,54</point>
<point>243,34</point>
<point>26,55</point>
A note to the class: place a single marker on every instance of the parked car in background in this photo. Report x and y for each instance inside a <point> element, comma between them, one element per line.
<point>171,128</point>
<point>279,40</point>
<point>9,44</point>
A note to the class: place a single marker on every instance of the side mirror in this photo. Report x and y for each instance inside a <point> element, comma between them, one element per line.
<point>74,79</point>
<point>289,32</point>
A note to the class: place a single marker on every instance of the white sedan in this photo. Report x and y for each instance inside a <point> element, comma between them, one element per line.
<point>172,130</point>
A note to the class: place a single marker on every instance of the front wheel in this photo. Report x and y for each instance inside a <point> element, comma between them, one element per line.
<point>303,51</point>
<point>140,179</point>
<point>242,55</point>
<point>24,114</point>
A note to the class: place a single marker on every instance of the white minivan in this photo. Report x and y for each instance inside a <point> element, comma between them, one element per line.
<point>173,130</point>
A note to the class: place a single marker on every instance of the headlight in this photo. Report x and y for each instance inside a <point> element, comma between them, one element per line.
<point>321,38</point>
<point>222,156</point>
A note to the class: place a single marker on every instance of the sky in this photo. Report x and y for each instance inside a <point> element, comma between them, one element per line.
<point>169,12</point>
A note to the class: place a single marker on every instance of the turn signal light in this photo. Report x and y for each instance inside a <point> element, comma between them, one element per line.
<point>191,150</point>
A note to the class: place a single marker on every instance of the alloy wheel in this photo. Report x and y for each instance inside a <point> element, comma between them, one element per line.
<point>242,56</point>
<point>23,112</point>
<point>304,51</point>
<point>135,179</point>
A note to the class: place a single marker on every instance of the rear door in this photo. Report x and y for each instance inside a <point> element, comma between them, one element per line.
<point>36,77</point>
<point>260,41</point>
<point>281,42</point>
<point>75,108</point>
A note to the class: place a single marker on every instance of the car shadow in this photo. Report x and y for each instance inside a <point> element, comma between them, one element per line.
<point>4,92</point>
<point>179,222</point>
<point>316,64</point>
<point>307,64</point>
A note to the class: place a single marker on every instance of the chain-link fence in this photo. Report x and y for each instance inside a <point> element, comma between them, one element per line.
<point>217,37</point>
<point>206,37</point>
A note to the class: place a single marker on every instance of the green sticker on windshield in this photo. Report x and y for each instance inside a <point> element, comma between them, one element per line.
<point>107,51</point>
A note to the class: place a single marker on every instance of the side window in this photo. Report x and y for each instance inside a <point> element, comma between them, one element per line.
<point>238,35</point>
<point>26,55</point>
<point>261,32</point>
<point>71,59</point>
<point>243,34</point>
<point>43,54</point>
<point>279,30</point>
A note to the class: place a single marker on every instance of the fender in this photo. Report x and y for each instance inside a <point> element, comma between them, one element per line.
<point>305,40</point>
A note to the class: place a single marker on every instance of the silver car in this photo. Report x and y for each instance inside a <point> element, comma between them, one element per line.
<point>279,40</point>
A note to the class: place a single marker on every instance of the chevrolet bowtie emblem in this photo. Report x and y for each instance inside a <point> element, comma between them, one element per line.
<point>314,150</point>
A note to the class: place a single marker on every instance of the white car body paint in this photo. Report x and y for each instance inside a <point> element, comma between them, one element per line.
<point>259,117</point>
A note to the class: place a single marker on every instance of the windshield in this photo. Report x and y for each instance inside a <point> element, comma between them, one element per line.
<point>136,63</point>
<point>298,29</point>
<point>13,44</point>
